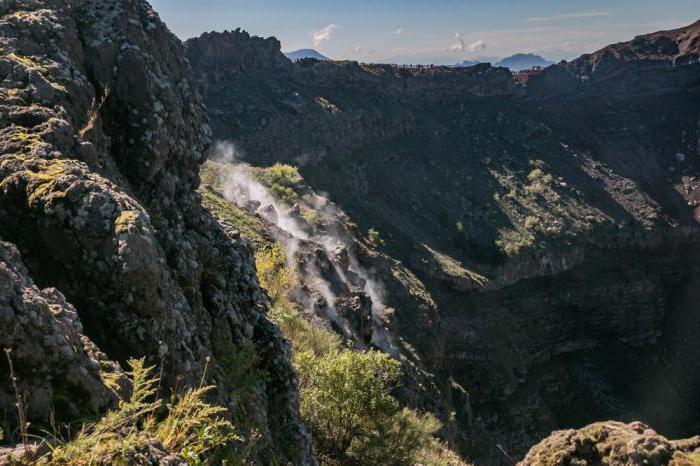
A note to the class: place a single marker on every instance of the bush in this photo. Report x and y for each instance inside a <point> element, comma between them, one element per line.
<point>283,180</point>
<point>354,419</point>
<point>374,238</point>
<point>539,182</point>
<point>271,264</point>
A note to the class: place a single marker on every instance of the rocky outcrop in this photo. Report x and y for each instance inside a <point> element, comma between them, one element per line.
<point>232,53</point>
<point>651,64</point>
<point>54,365</point>
<point>102,137</point>
<point>612,443</point>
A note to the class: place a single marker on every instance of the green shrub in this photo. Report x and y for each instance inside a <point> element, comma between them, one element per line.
<point>271,264</point>
<point>539,182</point>
<point>311,216</point>
<point>283,180</point>
<point>374,238</point>
<point>345,399</point>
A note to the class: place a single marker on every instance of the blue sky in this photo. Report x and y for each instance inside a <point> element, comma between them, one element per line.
<point>420,30</point>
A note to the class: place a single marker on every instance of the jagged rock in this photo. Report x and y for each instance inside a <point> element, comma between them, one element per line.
<point>611,443</point>
<point>650,63</point>
<point>56,367</point>
<point>101,137</point>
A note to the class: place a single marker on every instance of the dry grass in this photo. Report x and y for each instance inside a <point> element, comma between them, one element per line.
<point>94,112</point>
<point>188,426</point>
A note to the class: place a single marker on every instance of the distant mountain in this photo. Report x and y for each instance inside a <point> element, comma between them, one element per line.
<point>523,61</point>
<point>477,61</point>
<point>306,53</point>
<point>467,63</point>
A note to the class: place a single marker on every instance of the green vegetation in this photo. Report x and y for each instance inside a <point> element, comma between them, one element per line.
<point>354,419</point>
<point>32,63</point>
<point>311,216</point>
<point>345,394</point>
<point>536,210</point>
<point>539,181</point>
<point>283,180</point>
<point>375,238</point>
<point>242,372</point>
<point>187,425</point>
<point>230,214</point>
<point>451,267</point>
<point>278,281</point>
<point>44,177</point>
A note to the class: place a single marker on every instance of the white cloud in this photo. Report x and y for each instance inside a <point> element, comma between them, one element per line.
<point>357,50</point>
<point>398,31</point>
<point>476,46</point>
<point>460,46</point>
<point>580,14</point>
<point>324,34</point>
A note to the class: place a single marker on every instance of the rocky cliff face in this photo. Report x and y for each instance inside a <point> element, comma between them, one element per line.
<point>102,137</point>
<point>554,226</point>
<point>653,63</point>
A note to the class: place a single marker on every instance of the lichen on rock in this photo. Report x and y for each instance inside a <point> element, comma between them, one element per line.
<point>101,137</point>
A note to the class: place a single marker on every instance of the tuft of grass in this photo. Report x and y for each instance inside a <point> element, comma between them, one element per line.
<point>94,112</point>
<point>194,427</point>
<point>189,426</point>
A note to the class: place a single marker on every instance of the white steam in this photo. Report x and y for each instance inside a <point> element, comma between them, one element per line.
<point>241,187</point>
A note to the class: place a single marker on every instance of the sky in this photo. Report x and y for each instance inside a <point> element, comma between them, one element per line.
<point>432,31</point>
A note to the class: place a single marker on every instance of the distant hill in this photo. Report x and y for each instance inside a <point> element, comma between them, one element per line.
<point>467,63</point>
<point>306,53</point>
<point>523,61</point>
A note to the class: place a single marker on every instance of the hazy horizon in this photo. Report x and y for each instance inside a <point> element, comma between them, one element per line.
<point>442,31</point>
